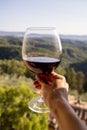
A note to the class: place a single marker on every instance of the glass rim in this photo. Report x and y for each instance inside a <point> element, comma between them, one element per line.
<point>40,28</point>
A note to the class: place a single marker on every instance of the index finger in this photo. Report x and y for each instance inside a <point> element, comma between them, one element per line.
<point>58,76</point>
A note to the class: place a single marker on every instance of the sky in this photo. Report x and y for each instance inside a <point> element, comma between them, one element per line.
<point>68,16</point>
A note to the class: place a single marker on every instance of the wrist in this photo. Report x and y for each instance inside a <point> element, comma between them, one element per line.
<point>57,98</point>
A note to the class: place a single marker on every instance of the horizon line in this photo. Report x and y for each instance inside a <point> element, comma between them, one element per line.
<point>59,33</point>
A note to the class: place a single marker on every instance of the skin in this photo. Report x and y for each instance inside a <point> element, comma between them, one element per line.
<point>54,89</point>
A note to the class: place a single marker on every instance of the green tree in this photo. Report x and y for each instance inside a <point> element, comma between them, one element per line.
<point>60,70</point>
<point>80,81</point>
<point>71,78</point>
<point>14,111</point>
<point>14,67</point>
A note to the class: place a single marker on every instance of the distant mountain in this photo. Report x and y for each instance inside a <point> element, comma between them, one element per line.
<point>66,37</point>
<point>15,34</point>
<point>74,37</point>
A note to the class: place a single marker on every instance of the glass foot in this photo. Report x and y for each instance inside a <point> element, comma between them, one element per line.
<point>37,105</point>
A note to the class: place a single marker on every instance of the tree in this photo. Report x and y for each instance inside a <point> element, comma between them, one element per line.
<point>71,78</point>
<point>80,81</point>
<point>60,70</point>
<point>14,111</point>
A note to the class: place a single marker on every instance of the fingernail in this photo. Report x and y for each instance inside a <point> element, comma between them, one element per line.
<point>38,86</point>
<point>36,82</point>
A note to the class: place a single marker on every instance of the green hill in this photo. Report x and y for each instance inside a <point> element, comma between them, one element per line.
<point>74,51</point>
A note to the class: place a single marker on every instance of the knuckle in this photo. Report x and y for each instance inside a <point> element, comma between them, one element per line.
<point>63,78</point>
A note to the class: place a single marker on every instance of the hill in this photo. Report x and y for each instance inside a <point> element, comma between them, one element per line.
<point>82,66</point>
<point>74,49</point>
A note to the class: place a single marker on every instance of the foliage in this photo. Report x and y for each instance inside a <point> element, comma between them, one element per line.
<point>10,40</point>
<point>14,67</point>
<point>60,70</point>
<point>76,80</point>
<point>84,96</point>
<point>14,111</point>
<point>10,47</point>
<point>71,78</point>
<point>80,81</point>
<point>16,89</point>
<point>10,52</point>
<point>74,93</point>
<point>73,50</point>
<point>81,66</point>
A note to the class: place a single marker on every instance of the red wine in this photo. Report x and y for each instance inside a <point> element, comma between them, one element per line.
<point>41,64</point>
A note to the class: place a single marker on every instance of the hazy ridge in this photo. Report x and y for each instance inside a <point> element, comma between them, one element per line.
<point>66,37</point>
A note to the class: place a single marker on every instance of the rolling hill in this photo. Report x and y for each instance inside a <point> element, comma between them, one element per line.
<point>74,48</point>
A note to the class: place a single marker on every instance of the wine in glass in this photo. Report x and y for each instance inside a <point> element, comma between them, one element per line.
<point>41,53</point>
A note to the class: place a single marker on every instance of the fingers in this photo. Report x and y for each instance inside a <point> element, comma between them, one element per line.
<point>41,78</point>
<point>44,80</point>
<point>50,80</point>
<point>51,85</point>
<point>37,84</point>
<point>58,76</point>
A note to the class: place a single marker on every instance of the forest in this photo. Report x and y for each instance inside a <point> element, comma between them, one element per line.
<point>16,82</point>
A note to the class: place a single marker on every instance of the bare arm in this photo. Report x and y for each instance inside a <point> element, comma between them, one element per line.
<point>54,90</point>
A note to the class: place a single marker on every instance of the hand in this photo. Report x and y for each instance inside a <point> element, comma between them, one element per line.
<point>53,87</point>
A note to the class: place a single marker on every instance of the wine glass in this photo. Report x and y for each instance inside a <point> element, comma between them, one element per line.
<point>41,53</point>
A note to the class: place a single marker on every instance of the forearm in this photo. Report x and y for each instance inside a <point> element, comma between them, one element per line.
<point>54,91</point>
<point>64,114</point>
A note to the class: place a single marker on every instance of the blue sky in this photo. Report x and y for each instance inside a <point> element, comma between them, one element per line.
<point>68,16</point>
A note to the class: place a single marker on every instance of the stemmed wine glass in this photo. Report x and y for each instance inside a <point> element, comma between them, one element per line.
<point>41,53</point>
